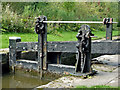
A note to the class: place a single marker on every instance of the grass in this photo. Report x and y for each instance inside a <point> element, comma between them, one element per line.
<point>99,86</point>
<point>63,36</point>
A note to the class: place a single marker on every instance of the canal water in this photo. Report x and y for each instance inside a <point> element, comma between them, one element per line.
<point>23,79</point>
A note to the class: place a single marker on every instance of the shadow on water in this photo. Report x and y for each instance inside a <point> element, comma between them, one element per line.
<point>22,79</point>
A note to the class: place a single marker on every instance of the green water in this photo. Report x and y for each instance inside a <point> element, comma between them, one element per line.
<point>25,80</point>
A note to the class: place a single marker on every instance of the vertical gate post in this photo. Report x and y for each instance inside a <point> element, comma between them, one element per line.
<point>109,26</point>
<point>45,45</point>
<point>41,30</point>
<point>39,55</point>
<point>12,51</point>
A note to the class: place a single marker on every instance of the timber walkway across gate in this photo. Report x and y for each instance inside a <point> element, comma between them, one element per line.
<point>85,47</point>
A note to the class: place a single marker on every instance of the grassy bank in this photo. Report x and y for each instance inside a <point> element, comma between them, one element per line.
<point>104,87</point>
<point>63,36</point>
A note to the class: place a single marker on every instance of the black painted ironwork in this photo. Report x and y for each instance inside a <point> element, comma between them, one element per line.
<point>83,63</point>
<point>40,27</point>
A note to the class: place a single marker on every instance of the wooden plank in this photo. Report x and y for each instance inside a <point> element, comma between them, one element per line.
<point>105,47</point>
<point>100,47</point>
<point>27,46</point>
<point>67,46</point>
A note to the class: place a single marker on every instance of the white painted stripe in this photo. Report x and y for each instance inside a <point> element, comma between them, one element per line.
<point>14,38</point>
<point>28,61</point>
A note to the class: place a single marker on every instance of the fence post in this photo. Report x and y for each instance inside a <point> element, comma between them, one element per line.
<point>12,51</point>
<point>109,27</point>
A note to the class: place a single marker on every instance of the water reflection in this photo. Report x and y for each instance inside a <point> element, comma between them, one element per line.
<point>25,80</point>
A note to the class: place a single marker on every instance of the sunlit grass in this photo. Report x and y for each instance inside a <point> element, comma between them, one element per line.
<point>63,36</point>
<point>103,87</point>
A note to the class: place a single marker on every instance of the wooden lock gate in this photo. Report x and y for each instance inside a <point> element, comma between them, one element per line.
<point>83,48</point>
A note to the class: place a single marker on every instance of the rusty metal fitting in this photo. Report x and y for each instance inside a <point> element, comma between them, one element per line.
<point>111,20</point>
<point>107,21</point>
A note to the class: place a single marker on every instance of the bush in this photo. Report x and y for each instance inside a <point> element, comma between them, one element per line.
<point>20,17</point>
<point>12,22</point>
